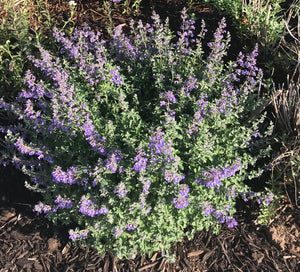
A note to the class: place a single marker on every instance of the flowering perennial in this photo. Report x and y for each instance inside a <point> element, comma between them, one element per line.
<point>140,140</point>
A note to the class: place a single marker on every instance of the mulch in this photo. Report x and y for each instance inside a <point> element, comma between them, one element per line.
<point>31,243</point>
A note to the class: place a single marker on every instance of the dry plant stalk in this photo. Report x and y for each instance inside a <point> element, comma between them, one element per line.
<point>287,112</point>
<point>287,108</point>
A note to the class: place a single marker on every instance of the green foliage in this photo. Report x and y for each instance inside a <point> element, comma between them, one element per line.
<point>13,44</point>
<point>258,18</point>
<point>268,211</point>
<point>18,38</point>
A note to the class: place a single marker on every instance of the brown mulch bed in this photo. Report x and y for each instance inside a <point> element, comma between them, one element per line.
<point>30,243</point>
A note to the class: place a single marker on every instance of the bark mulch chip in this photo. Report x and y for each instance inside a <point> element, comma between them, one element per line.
<point>30,243</point>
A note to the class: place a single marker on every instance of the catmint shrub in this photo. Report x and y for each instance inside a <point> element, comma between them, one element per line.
<point>139,139</point>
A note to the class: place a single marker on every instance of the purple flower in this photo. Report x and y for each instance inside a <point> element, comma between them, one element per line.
<point>220,216</point>
<point>147,186</point>
<point>88,128</point>
<point>158,146</point>
<point>217,47</point>
<point>148,210</point>
<point>186,34</point>
<point>60,176</point>
<point>116,77</point>
<point>41,207</point>
<point>184,190</point>
<point>131,227</point>
<point>213,176</point>
<point>63,202</point>
<point>88,207</point>
<point>31,151</point>
<point>140,161</point>
<point>227,207</point>
<point>123,45</point>
<point>207,209</point>
<point>157,142</point>
<point>169,96</point>
<point>102,210</point>
<point>170,176</point>
<point>190,84</point>
<point>112,160</point>
<point>120,190</point>
<point>231,222</point>
<point>180,202</point>
<point>269,199</point>
<point>256,134</point>
<point>73,235</point>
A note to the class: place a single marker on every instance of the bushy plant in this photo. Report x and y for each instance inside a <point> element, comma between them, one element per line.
<point>128,7</point>
<point>13,42</point>
<point>259,18</point>
<point>19,33</point>
<point>140,140</point>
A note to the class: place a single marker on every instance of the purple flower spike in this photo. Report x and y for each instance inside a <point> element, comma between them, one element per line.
<point>88,207</point>
<point>131,227</point>
<point>112,161</point>
<point>180,202</point>
<point>120,190</point>
<point>269,199</point>
<point>73,235</point>
<point>60,176</point>
<point>63,202</point>
<point>169,96</point>
<point>213,176</point>
<point>140,161</point>
<point>147,186</point>
<point>184,191</point>
<point>170,176</point>
<point>231,222</point>
<point>207,209</point>
<point>116,77</point>
<point>43,208</point>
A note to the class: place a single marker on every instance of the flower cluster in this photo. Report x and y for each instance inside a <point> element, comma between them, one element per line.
<point>159,147</point>
<point>60,176</point>
<point>140,161</point>
<point>63,202</point>
<point>221,216</point>
<point>120,190</point>
<point>87,207</point>
<point>73,235</point>
<point>43,208</point>
<point>182,201</point>
<point>213,176</point>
